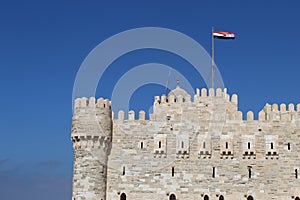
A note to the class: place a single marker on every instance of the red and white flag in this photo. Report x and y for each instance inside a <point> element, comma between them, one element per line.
<point>224,35</point>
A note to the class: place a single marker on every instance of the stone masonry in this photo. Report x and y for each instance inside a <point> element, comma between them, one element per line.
<point>188,150</point>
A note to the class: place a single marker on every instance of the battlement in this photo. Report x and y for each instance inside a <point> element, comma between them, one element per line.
<point>279,113</point>
<point>272,112</point>
<point>85,102</point>
<point>131,115</point>
<point>200,95</point>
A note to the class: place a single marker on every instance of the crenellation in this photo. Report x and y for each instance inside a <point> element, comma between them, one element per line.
<point>282,107</point>
<point>219,92</point>
<point>77,103</point>
<point>107,104</point>
<point>234,99</point>
<point>250,116</point>
<point>100,103</point>
<point>189,149</point>
<point>84,102</point>
<point>142,115</point>
<point>197,92</point>
<point>131,115</point>
<point>274,107</point>
<point>291,107</point>
<point>298,107</point>
<point>211,92</point>
<point>92,102</point>
<point>203,92</point>
<point>121,115</point>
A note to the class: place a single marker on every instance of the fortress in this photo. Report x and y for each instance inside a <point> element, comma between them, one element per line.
<point>188,150</point>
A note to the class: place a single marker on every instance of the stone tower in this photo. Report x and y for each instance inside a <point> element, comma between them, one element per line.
<point>91,136</point>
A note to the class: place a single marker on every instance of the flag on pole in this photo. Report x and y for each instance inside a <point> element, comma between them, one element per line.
<point>224,35</point>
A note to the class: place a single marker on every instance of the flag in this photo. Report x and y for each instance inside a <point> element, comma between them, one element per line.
<point>224,35</point>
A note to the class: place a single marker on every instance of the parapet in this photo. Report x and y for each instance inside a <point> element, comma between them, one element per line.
<point>84,102</point>
<point>200,94</point>
<point>279,113</point>
<point>131,115</point>
<point>219,93</point>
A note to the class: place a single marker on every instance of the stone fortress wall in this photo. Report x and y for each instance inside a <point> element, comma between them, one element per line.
<point>187,150</point>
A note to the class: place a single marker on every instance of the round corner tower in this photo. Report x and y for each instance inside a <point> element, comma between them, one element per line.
<point>91,136</point>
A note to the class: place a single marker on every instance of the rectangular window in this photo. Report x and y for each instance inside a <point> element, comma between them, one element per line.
<point>214,172</point>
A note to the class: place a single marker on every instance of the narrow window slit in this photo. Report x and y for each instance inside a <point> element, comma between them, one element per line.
<point>272,145</point>
<point>173,171</point>
<point>123,171</point>
<point>249,172</point>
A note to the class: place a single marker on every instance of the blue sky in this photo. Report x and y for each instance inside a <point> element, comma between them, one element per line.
<point>43,44</point>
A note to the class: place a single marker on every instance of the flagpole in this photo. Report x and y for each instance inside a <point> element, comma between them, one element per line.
<point>212,58</point>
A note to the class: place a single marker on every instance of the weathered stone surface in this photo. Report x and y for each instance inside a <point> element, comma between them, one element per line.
<point>187,148</point>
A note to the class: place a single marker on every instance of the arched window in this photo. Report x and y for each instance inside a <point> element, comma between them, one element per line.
<point>172,197</point>
<point>221,197</point>
<point>248,145</point>
<point>206,197</point>
<point>123,196</point>
<point>250,198</point>
<point>159,144</point>
<point>297,198</point>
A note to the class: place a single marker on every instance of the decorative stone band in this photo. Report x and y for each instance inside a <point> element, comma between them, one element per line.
<point>82,142</point>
